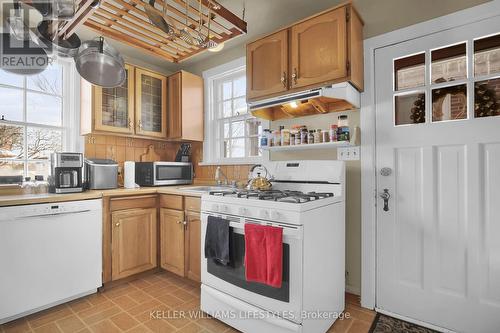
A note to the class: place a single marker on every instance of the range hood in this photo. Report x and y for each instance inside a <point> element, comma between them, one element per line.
<point>337,97</point>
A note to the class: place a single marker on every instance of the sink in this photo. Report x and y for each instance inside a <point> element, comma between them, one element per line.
<point>206,189</point>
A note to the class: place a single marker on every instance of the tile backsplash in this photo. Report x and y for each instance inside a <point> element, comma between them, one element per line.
<point>123,149</point>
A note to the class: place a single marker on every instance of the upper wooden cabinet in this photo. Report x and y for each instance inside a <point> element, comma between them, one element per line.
<point>324,49</point>
<point>185,107</point>
<point>133,241</point>
<point>150,103</point>
<point>267,65</point>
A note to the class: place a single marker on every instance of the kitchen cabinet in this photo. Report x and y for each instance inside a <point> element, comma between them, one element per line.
<point>267,65</point>
<point>185,107</point>
<point>150,103</point>
<point>180,235</point>
<point>172,240</point>
<point>324,49</point>
<point>134,241</point>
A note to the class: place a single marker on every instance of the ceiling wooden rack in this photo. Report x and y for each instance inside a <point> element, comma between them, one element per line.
<point>127,22</point>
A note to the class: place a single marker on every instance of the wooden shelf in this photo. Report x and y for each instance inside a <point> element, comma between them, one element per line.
<point>324,145</point>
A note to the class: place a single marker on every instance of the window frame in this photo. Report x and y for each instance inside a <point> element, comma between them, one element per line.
<point>70,107</point>
<point>212,151</point>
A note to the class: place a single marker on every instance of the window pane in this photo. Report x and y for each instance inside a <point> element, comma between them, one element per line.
<point>226,130</point>
<point>449,63</point>
<point>487,55</point>
<point>44,109</point>
<point>11,141</point>
<point>49,81</point>
<point>240,86</point>
<point>12,104</point>
<point>240,106</point>
<point>227,90</point>
<point>11,168</point>
<point>409,108</point>
<point>227,148</point>
<point>42,142</point>
<point>409,72</point>
<point>227,109</point>
<point>238,148</point>
<point>11,79</point>
<point>449,103</point>
<point>238,129</point>
<point>38,168</point>
<point>487,98</point>
<point>253,126</point>
<point>253,145</point>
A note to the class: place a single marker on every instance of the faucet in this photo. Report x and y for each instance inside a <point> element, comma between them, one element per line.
<point>218,174</point>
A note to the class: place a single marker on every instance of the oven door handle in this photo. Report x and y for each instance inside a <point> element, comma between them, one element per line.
<point>239,228</point>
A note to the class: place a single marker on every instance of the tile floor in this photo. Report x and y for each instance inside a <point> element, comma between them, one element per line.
<point>127,308</point>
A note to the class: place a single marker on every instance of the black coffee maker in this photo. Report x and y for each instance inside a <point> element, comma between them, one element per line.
<point>66,173</point>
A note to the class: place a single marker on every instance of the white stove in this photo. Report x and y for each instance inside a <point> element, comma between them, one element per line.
<point>307,202</point>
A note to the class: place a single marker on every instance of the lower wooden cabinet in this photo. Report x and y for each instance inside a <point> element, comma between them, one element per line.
<point>172,240</point>
<point>192,248</point>
<point>134,241</point>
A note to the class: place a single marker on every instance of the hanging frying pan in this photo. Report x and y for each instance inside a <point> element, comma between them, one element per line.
<point>100,64</point>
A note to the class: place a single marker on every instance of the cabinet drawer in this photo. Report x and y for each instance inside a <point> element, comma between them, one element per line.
<point>193,203</point>
<point>171,201</point>
<point>144,201</point>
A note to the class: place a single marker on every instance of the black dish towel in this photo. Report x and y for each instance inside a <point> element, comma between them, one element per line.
<point>217,240</point>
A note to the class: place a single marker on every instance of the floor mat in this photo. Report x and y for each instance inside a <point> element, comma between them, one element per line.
<point>386,324</point>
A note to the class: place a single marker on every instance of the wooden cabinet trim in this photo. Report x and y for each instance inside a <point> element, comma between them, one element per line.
<point>192,204</point>
<point>171,201</point>
<point>124,203</point>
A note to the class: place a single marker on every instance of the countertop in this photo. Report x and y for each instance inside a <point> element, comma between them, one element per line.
<point>26,199</point>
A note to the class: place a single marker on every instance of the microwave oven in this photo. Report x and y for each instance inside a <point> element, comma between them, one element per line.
<point>163,173</point>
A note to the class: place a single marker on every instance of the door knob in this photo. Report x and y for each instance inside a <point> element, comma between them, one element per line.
<point>385,196</point>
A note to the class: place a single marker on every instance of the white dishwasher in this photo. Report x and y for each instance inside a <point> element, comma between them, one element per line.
<point>49,254</point>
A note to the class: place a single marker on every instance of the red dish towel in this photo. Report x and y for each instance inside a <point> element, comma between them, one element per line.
<point>264,254</point>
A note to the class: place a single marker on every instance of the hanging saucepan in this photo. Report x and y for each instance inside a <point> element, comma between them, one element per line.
<point>54,9</point>
<point>100,64</point>
<point>67,47</point>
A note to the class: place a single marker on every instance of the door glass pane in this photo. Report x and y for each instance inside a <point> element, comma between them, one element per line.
<point>12,104</point>
<point>11,168</point>
<point>151,117</point>
<point>449,63</point>
<point>44,109</point>
<point>42,142</point>
<point>449,103</point>
<point>409,72</point>
<point>49,81</point>
<point>487,98</point>
<point>11,141</point>
<point>487,56</point>
<point>409,108</point>
<point>115,106</point>
<point>39,168</point>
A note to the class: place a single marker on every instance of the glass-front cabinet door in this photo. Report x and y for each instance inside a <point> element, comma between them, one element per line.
<point>114,107</point>
<point>151,103</point>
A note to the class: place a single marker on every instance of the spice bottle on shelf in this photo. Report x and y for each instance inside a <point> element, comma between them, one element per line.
<point>285,137</point>
<point>277,138</point>
<point>310,138</point>
<point>343,128</point>
<point>325,136</point>
<point>303,135</point>
<point>317,136</point>
<point>333,132</point>
<point>264,139</point>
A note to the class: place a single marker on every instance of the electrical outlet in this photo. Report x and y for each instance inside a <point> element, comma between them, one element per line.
<point>348,153</point>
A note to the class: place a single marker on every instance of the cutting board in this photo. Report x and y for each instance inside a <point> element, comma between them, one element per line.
<point>150,155</point>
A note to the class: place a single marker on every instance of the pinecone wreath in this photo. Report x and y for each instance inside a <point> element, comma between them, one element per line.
<point>418,110</point>
<point>485,104</point>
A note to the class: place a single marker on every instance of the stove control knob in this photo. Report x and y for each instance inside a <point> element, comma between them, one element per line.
<point>225,209</point>
<point>276,215</point>
<point>215,208</point>
<point>264,214</point>
<point>243,211</point>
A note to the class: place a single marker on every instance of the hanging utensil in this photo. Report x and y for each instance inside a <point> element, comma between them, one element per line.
<point>199,39</point>
<point>184,33</point>
<point>209,43</point>
<point>157,19</point>
<point>64,47</point>
<point>100,64</point>
<point>63,10</point>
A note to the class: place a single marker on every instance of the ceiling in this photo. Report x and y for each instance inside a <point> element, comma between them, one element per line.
<point>264,16</point>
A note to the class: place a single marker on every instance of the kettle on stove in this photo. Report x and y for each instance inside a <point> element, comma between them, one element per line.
<point>259,183</point>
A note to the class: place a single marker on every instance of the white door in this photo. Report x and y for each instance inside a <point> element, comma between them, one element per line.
<point>438,238</point>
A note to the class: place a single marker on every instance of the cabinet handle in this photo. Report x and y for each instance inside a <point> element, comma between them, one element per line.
<point>117,224</point>
<point>179,222</point>
<point>283,80</point>
<point>295,76</point>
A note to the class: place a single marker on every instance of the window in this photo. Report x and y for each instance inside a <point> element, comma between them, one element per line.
<point>231,132</point>
<point>37,118</point>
